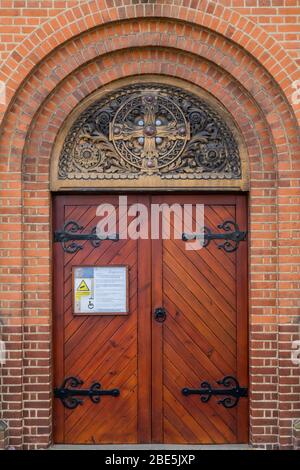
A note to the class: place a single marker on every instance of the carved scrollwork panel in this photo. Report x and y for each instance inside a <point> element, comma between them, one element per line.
<point>149,129</point>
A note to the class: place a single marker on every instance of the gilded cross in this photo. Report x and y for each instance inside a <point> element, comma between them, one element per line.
<point>149,132</point>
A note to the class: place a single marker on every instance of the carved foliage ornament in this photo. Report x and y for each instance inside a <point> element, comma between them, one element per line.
<point>149,129</point>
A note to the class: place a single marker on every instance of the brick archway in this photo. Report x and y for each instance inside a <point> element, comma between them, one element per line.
<point>41,105</point>
<point>206,13</point>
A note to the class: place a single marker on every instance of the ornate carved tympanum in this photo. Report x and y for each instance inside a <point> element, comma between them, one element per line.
<point>149,129</point>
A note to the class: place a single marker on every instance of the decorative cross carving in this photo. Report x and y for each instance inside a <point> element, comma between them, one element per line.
<point>150,129</point>
<point>149,132</point>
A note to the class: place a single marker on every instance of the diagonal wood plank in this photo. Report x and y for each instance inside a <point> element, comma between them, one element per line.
<point>175,259</point>
<point>215,419</point>
<point>185,284</point>
<point>188,302</point>
<point>183,321</point>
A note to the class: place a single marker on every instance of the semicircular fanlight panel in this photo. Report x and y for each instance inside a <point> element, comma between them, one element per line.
<point>149,129</point>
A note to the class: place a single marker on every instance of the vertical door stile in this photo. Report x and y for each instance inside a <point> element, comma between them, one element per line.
<point>242,320</point>
<point>157,341</point>
<point>144,334</point>
<point>58,323</point>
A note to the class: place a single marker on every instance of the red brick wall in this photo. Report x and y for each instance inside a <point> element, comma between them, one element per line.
<point>243,52</point>
<point>279,18</point>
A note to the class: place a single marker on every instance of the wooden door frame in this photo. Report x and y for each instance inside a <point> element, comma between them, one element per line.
<point>150,425</point>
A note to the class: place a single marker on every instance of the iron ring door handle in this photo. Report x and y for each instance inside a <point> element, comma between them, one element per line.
<point>160,314</point>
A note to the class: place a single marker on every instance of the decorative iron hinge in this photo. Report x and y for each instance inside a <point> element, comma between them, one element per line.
<point>68,395</point>
<point>233,394</point>
<point>70,234</point>
<point>232,236</point>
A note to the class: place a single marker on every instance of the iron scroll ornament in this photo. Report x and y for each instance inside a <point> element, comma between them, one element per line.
<point>71,232</point>
<point>233,394</point>
<point>232,236</point>
<point>68,396</point>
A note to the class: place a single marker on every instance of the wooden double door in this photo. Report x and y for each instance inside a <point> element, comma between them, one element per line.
<point>168,364</point>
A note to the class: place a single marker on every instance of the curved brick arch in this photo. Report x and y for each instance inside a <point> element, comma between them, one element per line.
<point>274,150</point>
<point>206,13</point>
<point>88,78</point>
<point>64,60</point>
<point>83,82</point>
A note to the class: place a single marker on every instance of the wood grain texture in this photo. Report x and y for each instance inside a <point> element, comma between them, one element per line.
<point>203,338</point>
<point>98,348</point>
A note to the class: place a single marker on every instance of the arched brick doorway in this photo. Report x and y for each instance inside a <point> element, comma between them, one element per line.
<point>263,109</point>
<point>160,141</point>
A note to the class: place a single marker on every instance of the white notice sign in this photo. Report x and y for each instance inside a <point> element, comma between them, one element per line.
<point>100,290</point>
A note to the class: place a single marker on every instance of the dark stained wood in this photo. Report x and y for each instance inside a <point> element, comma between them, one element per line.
<point>204,337</point>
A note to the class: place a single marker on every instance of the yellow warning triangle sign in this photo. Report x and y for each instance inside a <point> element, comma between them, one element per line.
<point>83,287</point>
